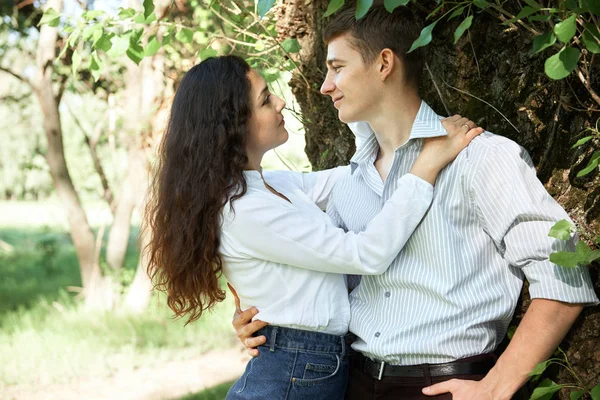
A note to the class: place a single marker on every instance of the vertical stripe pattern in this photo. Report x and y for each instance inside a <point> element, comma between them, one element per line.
<point>452,290</point>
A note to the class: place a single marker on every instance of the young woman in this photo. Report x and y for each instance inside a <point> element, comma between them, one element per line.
<point>213,210</point>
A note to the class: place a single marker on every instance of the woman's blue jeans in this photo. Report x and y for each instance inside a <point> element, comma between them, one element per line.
<point>295,364</point>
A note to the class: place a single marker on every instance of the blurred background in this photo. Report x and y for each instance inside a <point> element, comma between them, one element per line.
<point>77,319</point>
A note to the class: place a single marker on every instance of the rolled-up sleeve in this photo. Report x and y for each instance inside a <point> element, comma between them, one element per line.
<point>517,212</point>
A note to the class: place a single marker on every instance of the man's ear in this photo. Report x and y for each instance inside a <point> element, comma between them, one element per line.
<point>387,63</point>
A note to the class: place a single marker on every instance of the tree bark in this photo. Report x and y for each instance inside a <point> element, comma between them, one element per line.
<point>490,64</point>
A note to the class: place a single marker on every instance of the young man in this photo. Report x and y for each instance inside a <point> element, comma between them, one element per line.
<point>430,324</point>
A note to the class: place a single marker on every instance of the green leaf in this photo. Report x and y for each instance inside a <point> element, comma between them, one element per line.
<point>125,13</point>
<point>562,230</point>
<point>540,368</point>
<point>457,12</point>
<point>435,11</point>
<point>96,66</point>
<point>152,47</point>
<point>91,14</point>
<point>592,164</point>
<point>582,141</point>
<point>511,332</point>
<point>391,5</point>
<point>142,19</point>
<point>542,17</point>
<point>591,38</point>
<point>148,8</point>
<point>466,24</point>
<point>525,12</point>
<point>565,259</point>
<point>543,41</point>
<point>576,395</point>
<point>362,7</point>
<point>595,392</point>
<point>264,6</point>
<point>424,38</point>
<point>75,61</point>
<point>545,390</point>
<point>592,256</point>
<point>483,4</point>
<point>135,52</point>
<point>207,53</point>
<point>104,43</point>
<point>561,64</point>
<point>593,6</point>
<point>166,39</point>
<point>119,46</point>
<point>565,30</point>
<point>91,30</point>
<point>534,4</point>
<point>74,36</point>
<point>50,18</point>
<point>185,35</point>
<point>333,6</point>
<point>291,45</point>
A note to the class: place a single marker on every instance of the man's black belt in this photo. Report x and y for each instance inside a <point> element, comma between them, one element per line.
<point>379,369</point>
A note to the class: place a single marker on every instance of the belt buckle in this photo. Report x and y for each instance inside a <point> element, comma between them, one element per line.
<point>381,368</point>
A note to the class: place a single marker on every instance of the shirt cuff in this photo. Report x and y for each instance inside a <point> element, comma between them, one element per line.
<point>420,184</point>
<point>550,281</point>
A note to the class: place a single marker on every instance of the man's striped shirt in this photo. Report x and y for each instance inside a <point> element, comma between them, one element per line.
<point>452,290</point>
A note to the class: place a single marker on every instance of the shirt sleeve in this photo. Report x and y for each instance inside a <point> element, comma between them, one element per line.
<point>517,212</point>
<point>319,185</point>
<point>274,230</point>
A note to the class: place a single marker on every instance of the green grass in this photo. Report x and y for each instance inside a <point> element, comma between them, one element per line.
<point>215,393</point>
<point>46,336</point>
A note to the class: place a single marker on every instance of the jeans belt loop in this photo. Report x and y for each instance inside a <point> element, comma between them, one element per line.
<point>273,339</point>
<point>381,369</point>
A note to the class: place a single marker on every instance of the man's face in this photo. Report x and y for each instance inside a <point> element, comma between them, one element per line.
<point>351,85</point>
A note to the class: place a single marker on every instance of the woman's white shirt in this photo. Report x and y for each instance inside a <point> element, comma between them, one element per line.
<point>287,258</point>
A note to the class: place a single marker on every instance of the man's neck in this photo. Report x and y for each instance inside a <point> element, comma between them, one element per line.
<point>393,124</point>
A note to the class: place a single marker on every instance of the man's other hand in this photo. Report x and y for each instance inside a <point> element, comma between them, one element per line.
<point>245,327</point>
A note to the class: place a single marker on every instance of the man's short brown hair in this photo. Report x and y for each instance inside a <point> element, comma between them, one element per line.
<point>378,30</point>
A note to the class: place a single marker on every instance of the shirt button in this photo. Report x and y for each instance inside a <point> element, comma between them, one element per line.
<point>377,334</point>
<point>387,294</point>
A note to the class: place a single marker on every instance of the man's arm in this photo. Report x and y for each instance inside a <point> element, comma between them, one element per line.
<point>543,327</point>
<point>517,213</point>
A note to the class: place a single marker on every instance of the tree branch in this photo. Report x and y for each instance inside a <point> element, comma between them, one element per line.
<point>91,143</point>
<point>17,75</point>
<point>587,85</point>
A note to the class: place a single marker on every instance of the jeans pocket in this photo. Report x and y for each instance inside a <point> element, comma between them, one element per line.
<point>316,373</point>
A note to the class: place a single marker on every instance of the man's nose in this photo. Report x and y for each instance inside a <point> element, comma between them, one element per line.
<point>327,86</point>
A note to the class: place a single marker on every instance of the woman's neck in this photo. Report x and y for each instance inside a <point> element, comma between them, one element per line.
<point>254,161</point>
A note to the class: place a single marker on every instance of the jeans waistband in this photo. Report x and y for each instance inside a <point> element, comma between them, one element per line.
<point>298,339</point>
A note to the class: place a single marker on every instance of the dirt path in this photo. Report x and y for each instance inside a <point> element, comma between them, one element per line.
<point>171,381</point>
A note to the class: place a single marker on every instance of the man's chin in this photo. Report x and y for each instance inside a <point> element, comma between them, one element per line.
<point>345,118</point>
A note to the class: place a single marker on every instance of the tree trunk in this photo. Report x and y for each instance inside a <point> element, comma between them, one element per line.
<point>494,64</point>
<point>81,233</point>
<point>145,93</point>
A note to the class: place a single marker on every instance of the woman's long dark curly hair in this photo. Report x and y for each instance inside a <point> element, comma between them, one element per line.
<point>202,157</point>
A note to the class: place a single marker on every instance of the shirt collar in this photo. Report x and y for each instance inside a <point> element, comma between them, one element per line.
<point>252,176</point>
<point>427,124</point>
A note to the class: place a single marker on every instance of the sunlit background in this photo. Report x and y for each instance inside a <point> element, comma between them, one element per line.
<point>52,346</point>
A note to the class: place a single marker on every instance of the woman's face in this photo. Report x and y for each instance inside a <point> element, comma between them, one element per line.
<point>266,125</point>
